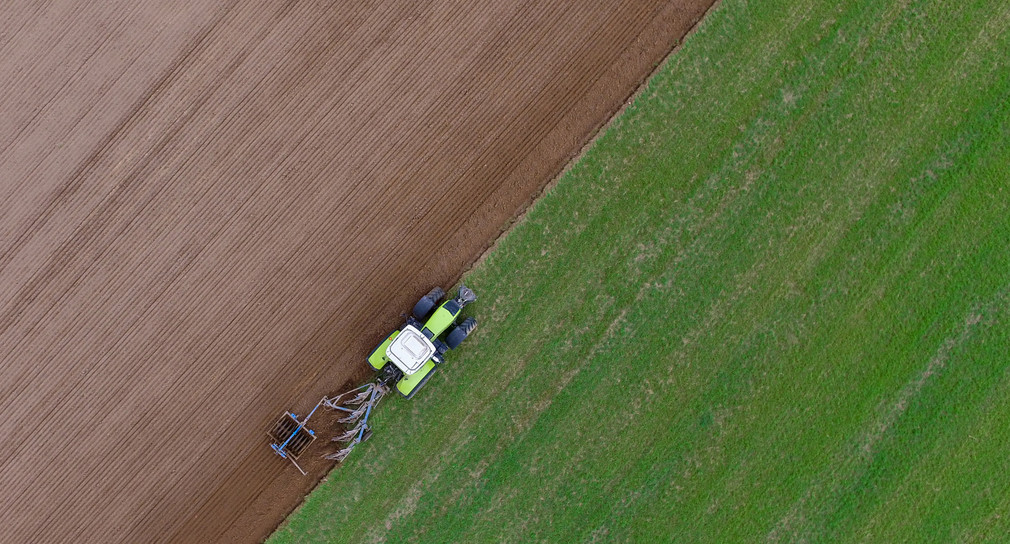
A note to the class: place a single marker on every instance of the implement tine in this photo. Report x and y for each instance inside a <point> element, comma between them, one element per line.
<point>354,416</point>
<point>349,434</point>
<point>340,399</point>
<point>361,397</point>
<point>341,402</point>
<point>340,455</point>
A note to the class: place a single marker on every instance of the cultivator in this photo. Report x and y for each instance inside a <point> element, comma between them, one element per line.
<point>357,404</point>
<point>291,436</point>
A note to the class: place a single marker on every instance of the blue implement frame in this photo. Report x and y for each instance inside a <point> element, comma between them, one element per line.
<point>281,448</point>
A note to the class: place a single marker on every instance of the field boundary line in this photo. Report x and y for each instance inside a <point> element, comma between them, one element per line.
<point>596,134</point>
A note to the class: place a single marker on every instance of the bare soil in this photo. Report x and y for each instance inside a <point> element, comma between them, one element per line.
<point>213,210</point>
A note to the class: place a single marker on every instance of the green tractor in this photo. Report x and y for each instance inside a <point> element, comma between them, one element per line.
<point>410,355</point>
<point>406,360</point>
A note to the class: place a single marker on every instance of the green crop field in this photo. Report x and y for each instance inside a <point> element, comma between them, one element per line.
<point>771,303</point>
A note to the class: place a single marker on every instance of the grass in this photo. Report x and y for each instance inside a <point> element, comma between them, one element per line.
<point>772,302</point>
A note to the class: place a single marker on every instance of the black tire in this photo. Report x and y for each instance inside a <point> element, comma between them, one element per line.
<point>468,325</point>
<point>366,435</point>
<point>460,332</point>
<point>427,303</point>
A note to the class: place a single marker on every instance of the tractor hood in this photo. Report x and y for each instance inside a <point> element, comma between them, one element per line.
<point>410,350</point>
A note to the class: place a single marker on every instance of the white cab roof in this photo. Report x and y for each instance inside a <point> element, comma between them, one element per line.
<point>410,350</point>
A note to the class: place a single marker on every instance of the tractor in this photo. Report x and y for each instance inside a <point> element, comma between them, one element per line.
<point>410,355</point>
<point>406,360</point>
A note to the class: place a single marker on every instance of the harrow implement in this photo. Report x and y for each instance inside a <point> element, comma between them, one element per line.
<point>291,437</point>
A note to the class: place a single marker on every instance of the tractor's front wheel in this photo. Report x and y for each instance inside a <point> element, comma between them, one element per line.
<point>460,332</point>
<point>427,303</point>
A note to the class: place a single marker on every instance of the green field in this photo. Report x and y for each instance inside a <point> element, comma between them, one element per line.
<point>771,303</point>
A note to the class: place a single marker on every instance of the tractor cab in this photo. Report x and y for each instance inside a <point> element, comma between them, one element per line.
<point>410,350</point>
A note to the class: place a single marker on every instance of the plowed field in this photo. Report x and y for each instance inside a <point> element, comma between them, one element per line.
<point>213,210</point>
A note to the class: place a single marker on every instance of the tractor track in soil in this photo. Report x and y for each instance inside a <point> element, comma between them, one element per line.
<point>212,211</point>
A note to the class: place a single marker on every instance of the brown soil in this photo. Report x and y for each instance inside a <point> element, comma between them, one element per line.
<point>212,211</point>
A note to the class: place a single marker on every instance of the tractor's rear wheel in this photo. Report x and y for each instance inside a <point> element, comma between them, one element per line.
<point>427,303</point>
<point>460,332</point>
